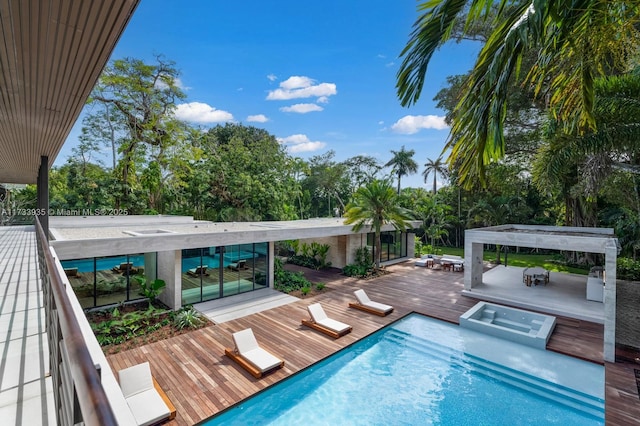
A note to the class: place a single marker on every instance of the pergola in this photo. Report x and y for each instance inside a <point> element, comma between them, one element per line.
<point>588,240</point>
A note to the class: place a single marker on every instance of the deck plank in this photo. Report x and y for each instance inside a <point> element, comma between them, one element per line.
<point>201,381</point>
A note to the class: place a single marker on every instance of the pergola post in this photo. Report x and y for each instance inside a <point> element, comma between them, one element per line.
<point>611,253</point>
<point>473,254</point>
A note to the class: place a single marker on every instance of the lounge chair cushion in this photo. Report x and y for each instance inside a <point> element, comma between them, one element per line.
<point>248,348</point>
<point>144,401</point>
<point>148,407</point>
<point>320,317</point>
<point>364,300</point>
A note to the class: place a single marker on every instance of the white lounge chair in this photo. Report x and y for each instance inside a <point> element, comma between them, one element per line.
<point>147,402</point>
<point>367,305</point>
<point>321,322</point>
<point>250,355</point>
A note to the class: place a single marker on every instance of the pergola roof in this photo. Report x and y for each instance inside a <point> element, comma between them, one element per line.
<point>51,55</point>
<point>583,239</point>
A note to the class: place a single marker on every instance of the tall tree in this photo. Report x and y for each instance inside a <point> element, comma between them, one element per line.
<point>577,42</point>
<point>376,205</point>
<point>327,179</point>
<point>402,163</point>
<point>436,167</point>
<point>136,102</point>
<point>245,174</point>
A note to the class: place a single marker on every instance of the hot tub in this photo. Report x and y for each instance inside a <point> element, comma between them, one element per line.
<point>516,325</point>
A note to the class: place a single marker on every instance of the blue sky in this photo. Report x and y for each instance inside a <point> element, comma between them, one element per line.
<point>317,76</point>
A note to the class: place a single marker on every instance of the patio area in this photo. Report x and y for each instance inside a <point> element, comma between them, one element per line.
<point>564,294</point>
<point>201,381</point>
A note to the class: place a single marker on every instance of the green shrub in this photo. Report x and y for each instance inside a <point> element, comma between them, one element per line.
<point>628,269</point>
<point>150,289</point>
<point>287,281</point>
<point>320,286</point>
<point>418,246</point>
<point>188,317</point>
<point>305,290</point>
<point>363,267</point>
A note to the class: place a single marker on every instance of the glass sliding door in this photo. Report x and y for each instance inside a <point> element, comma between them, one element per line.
<point>101,281</point>
<point>260,265</point>
<point>213,272</point>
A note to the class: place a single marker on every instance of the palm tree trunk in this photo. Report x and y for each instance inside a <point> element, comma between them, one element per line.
<point>378,248</point>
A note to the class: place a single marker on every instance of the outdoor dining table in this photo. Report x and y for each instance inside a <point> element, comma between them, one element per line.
<point>534,275</point>
<point>451,263</point>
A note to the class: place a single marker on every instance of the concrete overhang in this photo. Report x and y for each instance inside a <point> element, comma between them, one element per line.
<point>82,237</point>
<point>589,240</point>
<point>51,56</point>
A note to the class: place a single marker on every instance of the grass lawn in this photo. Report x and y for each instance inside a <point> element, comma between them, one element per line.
<point>522,260</point>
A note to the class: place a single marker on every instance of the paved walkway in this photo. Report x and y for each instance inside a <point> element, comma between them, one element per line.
<point>221,310</point>
<point>26,396</point>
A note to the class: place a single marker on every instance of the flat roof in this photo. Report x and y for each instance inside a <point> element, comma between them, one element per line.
<point>583,239</point>
<point>75,237</point>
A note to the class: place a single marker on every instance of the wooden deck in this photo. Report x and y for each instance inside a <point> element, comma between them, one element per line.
<point>201,381</point>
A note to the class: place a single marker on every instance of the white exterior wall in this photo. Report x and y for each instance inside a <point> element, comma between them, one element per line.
<point>337,254</point>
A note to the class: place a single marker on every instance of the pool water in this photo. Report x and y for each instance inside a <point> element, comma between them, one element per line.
<point>102,264</point>
<point>213,262</point>
<point>424,371</point>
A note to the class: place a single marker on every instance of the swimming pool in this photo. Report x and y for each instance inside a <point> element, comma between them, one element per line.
<point>423,371</point>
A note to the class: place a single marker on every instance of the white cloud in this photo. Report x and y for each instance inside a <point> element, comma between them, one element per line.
<point>272,77</point>
<point>322,100</point>
<point>301,143</point>
<point>296,87</point>
<point>381,122</point>
<point>410,124</point>
<point>296,82</point>
<point>302,108</point>
<point>389,64</point>
<point>259,118</point>
<point>198,112</point>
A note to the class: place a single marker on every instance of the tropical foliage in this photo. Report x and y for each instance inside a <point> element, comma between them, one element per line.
<point>374,206</point>
<point>553,172</point>
<point>575,43</point>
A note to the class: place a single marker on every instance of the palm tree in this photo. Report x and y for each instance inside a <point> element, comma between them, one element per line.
<point>434,167</point>
<point>376,205</point>
<point>577,42</point>
<point>403,163</point>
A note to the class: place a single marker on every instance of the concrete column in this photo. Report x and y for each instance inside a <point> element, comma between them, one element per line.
<point>43,194</point>
<point>270,264</point>
<point>611,253</point>
<point>411,244</point>
<point>353,243</point>
<point>170,270</point>
<point>473,253</point>
<point>150,266</point>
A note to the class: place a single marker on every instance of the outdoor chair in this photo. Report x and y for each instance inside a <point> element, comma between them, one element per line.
<point>321,322</point>
<point>237,266</point>
<point>123,267</point>
<point>71,272</point>
<point>367,305</point>
<point>250,356</point>
<point>147,401</point>
<point>199,271</point>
